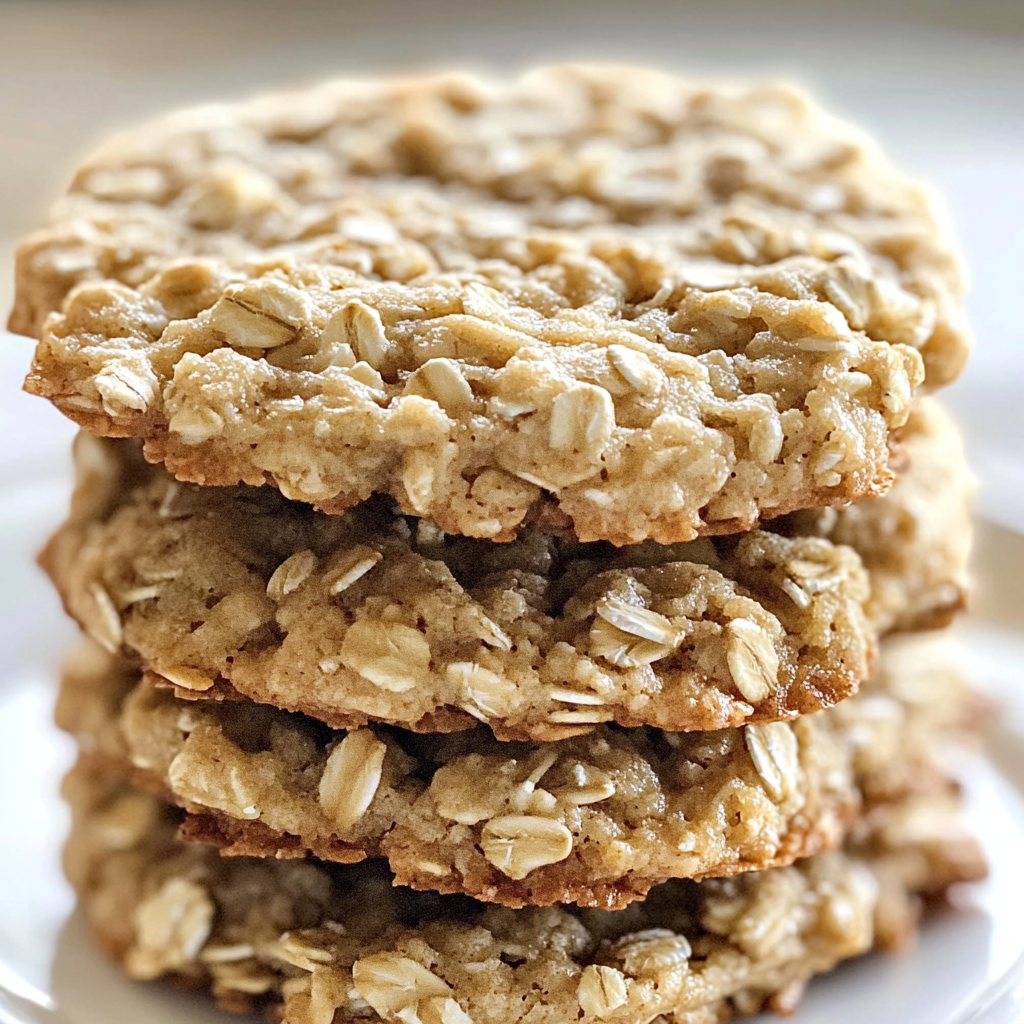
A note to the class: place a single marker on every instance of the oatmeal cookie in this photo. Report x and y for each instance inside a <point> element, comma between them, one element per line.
<point>596,820</point>
<point>312,942</point>
<point>473,399</point>
<point>404,177</point>
<point>914,541</point>
<point>677,311</point>
<point>370,616</point>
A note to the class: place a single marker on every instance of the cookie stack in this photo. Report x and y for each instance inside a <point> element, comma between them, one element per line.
<point>506,515</point>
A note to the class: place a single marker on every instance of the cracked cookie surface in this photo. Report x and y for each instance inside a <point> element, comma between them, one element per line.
<point>432,330</point>
<point>475,398</point>
<point>316,942</point>
<point>373,617</point>
<point>403,177</point>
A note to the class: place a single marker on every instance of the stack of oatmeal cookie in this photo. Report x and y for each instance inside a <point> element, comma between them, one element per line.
<point>506,519</point>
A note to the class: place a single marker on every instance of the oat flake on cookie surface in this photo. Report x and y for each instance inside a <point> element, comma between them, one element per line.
<point>314,943</point>
<point>374,616</point>
<point>668,309</point>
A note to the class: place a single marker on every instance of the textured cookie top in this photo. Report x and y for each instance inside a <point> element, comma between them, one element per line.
<point>673,309</point>
<point>316,943</point>
<point>638,405</point>
<point>597,820</point>
<point>411,175</point>
<point>372,616</point>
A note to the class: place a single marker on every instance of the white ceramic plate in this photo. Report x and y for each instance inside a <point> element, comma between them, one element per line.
<point>968,966</point>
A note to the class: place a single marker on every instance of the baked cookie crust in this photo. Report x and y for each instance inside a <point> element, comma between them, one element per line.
<point>596,820</point>
<point>473,399</point>
<point>370,617</point>
<point>679,310</point>
<point>314,942</point>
